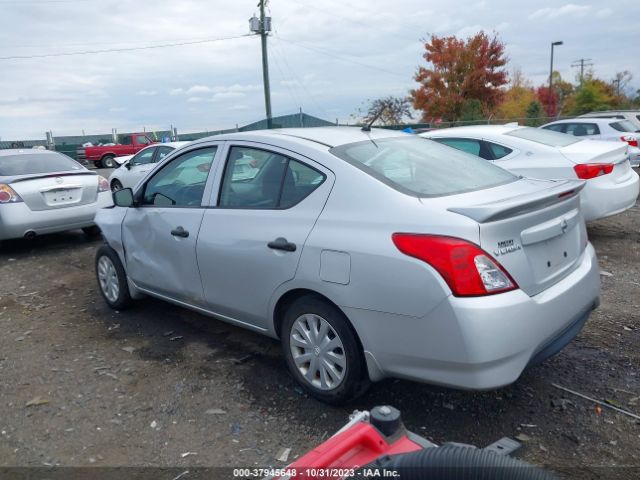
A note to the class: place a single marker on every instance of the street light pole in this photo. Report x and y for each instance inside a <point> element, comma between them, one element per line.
<point>553,44</point>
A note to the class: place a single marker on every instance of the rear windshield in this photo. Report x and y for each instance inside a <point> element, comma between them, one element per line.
<point>421,167</point>
<point>34,163</point>
<point>545,137</point>
<point>624,126</point>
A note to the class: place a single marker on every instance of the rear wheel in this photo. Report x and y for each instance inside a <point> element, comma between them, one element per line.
<point>116,185</point>
<point>322,351</point>
<point>112,279</point>
<point>108,162</point>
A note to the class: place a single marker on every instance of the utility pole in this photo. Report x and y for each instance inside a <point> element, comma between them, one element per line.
<point>617,82</point>
<point>263,27</point>
<point>583,62</point>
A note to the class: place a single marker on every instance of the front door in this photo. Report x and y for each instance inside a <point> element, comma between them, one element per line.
<point>251,242</point>
<point>160,233</point>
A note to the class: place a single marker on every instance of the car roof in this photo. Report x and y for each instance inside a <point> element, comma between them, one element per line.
<point>320,136</point>
<point>475,130</point>
<point>25,151</point>
<point>596,120</point>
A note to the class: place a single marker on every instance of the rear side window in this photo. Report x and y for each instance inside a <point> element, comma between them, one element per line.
<point>582,129</point>
<point>623,126</point>
<point>544,136</point>
<point>35,163</point>
<point>421,167</point>
<point>498,151</point>
<point>558,127</point>
<point>260,179</point>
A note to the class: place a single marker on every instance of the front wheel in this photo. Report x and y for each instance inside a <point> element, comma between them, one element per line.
<point>322,351</point>
<point>112,279</point>
<point>116,185</point>
<point>92,231</point>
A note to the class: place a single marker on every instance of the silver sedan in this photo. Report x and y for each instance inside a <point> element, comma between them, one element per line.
<point>369,254</point>
<point>46,192</point>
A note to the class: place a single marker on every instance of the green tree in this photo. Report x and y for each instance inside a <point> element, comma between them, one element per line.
<point>517,97</point>
<point>593,95</point>
<point>534,112</point>
<point>471,111</point>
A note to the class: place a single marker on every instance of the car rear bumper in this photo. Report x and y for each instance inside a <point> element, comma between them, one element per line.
<point>602,198</point>
<point>16,219</point>
<point>481,342</point>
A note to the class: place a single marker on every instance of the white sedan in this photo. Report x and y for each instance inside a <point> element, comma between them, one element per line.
<point>611,185</point>
<point>618,130</point>
<point>135,167</point>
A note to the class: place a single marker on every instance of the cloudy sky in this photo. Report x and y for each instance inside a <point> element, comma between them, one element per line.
<point>326,56</point>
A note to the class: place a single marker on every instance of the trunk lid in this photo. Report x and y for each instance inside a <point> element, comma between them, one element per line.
<point>533,228</point>
<point>58,190</point>
<point>595,151</point>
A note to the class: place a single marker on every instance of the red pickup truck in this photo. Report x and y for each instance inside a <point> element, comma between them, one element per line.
<point>104,155</point>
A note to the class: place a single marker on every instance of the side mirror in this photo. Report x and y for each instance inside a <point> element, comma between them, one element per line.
<point>127,164</point>
<point>123,198</point>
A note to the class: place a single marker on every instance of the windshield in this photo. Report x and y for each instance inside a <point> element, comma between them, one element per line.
<point>421,167</point>
<point>34,163</point>
<point>545,137</point>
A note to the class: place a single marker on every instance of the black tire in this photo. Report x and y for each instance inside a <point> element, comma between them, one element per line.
<point>116,185</point>
<point>355,380</point>
<point>108,162</point>
<point>123,299</point>
<point>98,164</point>
<point>92,232</point>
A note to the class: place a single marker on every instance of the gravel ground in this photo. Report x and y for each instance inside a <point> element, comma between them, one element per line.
<point>82,385</point>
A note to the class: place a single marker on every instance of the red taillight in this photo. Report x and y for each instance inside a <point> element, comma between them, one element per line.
<point>103,184</point>
<point>586,171</point>
<point>468,270</point>
<point>631,140</point>
<point>8,194</point>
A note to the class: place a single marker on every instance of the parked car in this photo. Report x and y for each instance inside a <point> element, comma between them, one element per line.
<point>106,156</point>
<point>135,167</point>
<point>611,185</point>
<point>369,254</point>
<point>43,191</point>
<point>632,116</point>
<point>601,129</point>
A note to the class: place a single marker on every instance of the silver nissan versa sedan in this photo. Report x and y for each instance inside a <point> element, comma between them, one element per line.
<point>370,254</point>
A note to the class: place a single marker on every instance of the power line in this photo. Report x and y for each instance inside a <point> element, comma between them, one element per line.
<point>124,49</point>
<point>582,62</point>
<point>340,57</point>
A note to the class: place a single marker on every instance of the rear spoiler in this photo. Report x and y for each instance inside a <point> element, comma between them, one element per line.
<point>35,176</point>
<point>511,207</point>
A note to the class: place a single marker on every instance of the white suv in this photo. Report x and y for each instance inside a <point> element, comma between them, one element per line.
<point>631,115</point>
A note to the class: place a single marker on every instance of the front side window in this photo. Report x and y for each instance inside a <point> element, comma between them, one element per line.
<point>126,140</point>
<point>256,178</point>
<point>142,140</point>
<point>421,167</point>
<point>143,157</point>
<point>181,182</point>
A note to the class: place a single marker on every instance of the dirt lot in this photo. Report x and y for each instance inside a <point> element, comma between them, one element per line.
<point>81,385</point>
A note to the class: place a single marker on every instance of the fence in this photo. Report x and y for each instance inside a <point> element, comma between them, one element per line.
<point>70,143</point>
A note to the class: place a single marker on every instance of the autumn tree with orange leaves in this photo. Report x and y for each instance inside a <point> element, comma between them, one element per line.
<point>461,71</point>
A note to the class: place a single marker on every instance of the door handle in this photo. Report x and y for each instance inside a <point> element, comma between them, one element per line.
<point>180,232</point>
<point>281,243</point>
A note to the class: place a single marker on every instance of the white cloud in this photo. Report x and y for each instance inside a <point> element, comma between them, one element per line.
<point>570,9</point>
<point>604,13</point>
<point>148,93</point>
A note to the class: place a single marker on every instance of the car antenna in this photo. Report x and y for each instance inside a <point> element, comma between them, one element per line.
<point>367,127</point>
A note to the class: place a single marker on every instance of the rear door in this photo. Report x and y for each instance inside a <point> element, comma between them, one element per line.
<point>251,241</point>
<point>160,233</point>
